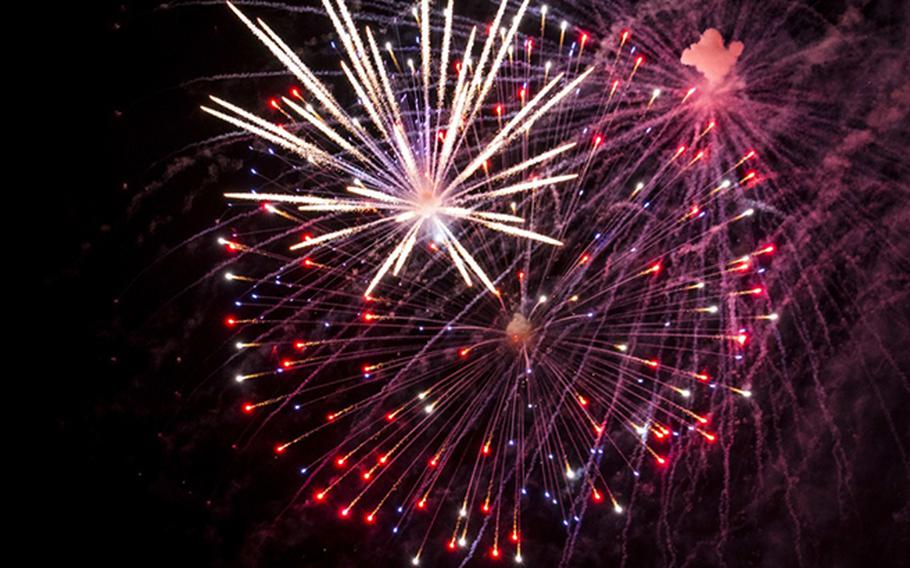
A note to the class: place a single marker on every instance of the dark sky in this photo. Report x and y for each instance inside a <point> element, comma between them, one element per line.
<point>144,470</point>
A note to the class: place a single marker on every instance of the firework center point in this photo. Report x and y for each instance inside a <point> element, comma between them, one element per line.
<point>428,203</point>
<point>519,330</point>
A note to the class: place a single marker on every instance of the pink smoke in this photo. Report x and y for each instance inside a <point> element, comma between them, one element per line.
<point>710,57</point>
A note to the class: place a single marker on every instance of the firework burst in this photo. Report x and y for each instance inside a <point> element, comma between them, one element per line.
<point>432,403</point>
<point>416,170</point>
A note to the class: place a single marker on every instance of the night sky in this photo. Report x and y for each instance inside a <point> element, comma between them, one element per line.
<point>144,469</point>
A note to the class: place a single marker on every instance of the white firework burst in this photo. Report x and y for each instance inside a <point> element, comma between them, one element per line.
<point>413,172</point>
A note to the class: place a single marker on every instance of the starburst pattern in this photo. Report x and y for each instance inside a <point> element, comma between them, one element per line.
<point>415,171</point>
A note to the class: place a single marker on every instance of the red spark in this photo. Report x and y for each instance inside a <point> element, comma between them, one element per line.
<point>742,266</point>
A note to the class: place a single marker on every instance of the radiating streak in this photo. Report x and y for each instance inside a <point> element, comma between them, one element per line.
<point>373,194</point>
<point>328,132</point>
<point>298,147</point>
<point>426,55</point>
<point>399,248</point>
<point>281,198</point>
<point>470,259</point>
<point>340,233</point>
<point>533,161</point>
<point>410,239</point>
<point>459,264</point>
<point>461,92</point>
<point>461,212</point>
<point>515,231</point>
<point>390,98</point>
<point>523,186</point>
<point>443,70</point>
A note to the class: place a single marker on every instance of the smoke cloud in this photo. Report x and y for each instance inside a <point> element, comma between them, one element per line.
<point>711,57</point>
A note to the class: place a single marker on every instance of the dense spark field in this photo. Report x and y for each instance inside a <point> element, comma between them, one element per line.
<point>575,284</point>
<point>450,408</point>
